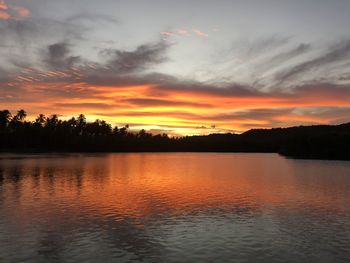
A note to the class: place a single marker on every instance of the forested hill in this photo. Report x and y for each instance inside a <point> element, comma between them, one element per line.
<point>78,135</point>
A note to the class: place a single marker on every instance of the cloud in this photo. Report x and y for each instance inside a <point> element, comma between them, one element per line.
<point>252,114</point>
<point>12,12</point>
<point>194,87</point>
<point>4,76</point>
<point>250,49</point>
<point>21,11</point>
<point>284,56</point>
<point>91,105</point>
<point>337,53</point>
<point>200,33</point>
<point>3,5</point>
<point>24,37</point>
<point>91,17</point>
<point>58,56</point>
<point>4,15</point>
<point>182,32</point>
<point>143,57</point>
<point>13,31</point>
<point>149,102</point>
<point>167,34</point>
<point>334,115</point>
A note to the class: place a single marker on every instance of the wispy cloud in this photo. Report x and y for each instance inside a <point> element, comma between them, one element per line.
<point>182,32</point>
<point>200,33</point>
<point>337,53</point>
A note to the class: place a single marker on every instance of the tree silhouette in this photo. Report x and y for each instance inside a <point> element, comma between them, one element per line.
<point>5,117</point>
<point>20,116</point>
<point>40,120</point>
<point>76,134</point>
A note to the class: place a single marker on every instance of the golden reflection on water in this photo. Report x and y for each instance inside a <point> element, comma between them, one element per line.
<point>125,192</point>
<point>136,184</point>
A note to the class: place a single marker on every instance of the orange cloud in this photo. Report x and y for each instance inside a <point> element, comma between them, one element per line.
<point>200,33</point>
<point>12,12</point>
<point>178,111</point>
<point>4,15</point>
<point>166,33</point>
<point>3,5</point>
<point>21,11</point>
<point>180,32</point>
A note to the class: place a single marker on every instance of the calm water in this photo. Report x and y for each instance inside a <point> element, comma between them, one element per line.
<point>192,207</point>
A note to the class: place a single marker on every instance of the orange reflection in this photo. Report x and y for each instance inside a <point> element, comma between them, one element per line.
<point>147,185</point>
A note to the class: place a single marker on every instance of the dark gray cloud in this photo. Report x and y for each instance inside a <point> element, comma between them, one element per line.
<point>143,57</point>
<point>190,87</point>
<point>58,56</point>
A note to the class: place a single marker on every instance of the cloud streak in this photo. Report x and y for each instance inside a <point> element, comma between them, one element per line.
<point>338,53</point>
<point>143,57</point>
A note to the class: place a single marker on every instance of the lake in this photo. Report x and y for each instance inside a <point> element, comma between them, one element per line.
<point>173,207</point>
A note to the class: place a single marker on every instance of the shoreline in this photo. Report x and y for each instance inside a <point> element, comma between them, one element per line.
<point>39,152</point>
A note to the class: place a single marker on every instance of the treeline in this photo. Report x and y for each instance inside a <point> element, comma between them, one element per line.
<point>78,135</point>
<point>75,134</point>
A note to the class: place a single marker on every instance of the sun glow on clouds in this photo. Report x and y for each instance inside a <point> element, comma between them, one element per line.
<point>160,103</point>
<point>174,110</point>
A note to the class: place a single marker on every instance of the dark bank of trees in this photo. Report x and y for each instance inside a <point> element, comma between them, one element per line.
<point>78,135</point>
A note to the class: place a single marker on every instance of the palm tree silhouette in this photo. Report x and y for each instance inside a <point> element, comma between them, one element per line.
<point>5,117</point>
<point>20,116</point>
<point>40,120</point>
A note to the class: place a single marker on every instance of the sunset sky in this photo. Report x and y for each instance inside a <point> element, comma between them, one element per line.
<point>179,67</point>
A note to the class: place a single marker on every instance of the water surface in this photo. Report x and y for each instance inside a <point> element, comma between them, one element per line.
<point>173,207</point>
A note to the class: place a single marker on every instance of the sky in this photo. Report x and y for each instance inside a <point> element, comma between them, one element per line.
<point>178,67</point>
